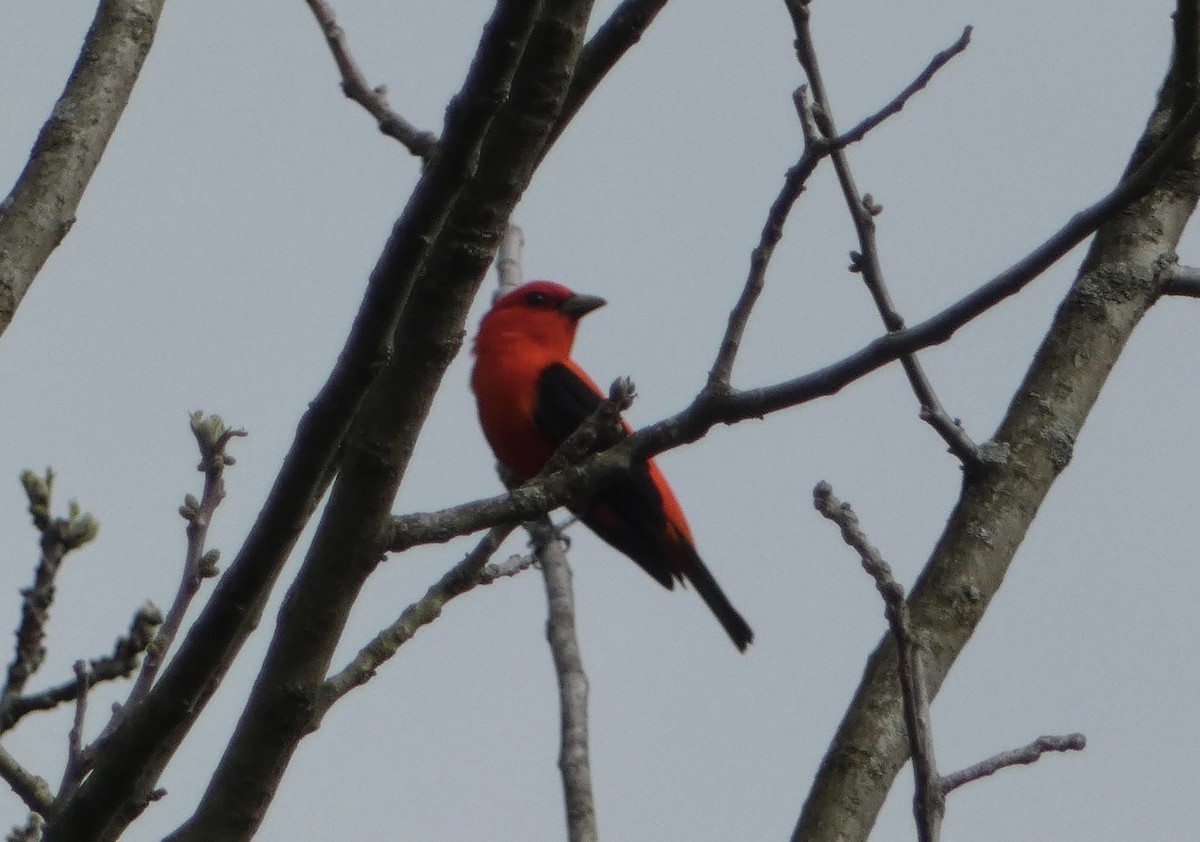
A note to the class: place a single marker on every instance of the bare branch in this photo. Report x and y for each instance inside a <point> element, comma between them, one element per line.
<point>716,405</point>
<point>120,664</point>
<point>1018,756</point>
<point>461,578</point>
<point>1185,281</point>
<point>573,759</point>
<point>896,105</point>
<point>141,747</point>
<point>863,211</point>
<point>78,759</point>
<point>212,437</point>
<point>59,536</point>
<point>512,566</point>
<point>40,210</point>
<point>374,100</point>
<point>30,788</point>
<point>615,37</point>
<point>816,147</point>
<point>929,801</point>
<point>1122,276</point>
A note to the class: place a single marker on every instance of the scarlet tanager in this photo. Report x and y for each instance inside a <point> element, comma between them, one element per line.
<point>532,396</point>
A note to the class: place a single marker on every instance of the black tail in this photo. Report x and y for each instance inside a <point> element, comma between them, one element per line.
<point>735,625</point>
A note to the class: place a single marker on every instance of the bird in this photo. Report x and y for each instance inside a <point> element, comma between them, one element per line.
<point>531,396</point>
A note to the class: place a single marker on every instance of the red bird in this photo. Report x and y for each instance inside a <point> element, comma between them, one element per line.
<point>532,396</point>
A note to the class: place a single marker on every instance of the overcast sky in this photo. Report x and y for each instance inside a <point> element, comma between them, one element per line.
<point>218,258</point>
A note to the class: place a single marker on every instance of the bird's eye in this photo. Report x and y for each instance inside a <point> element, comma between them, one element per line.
<point>536,299</point>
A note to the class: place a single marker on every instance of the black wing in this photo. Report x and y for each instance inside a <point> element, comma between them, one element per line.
<point>628,514</point>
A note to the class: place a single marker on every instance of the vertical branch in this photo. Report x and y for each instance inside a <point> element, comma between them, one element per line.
<point>929,801</point>
<point>212,437</point>
<point>863,211</point>
<point>78,761</point>
<point>59,536</point>
<point>573,761</point>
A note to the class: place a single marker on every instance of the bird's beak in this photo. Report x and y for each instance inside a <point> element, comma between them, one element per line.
<point>579,305</point>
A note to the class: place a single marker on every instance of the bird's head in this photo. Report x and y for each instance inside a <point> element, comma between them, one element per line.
<point>540,312</point>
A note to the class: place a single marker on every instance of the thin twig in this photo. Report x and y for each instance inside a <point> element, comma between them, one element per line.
<point>461,578</point>
<point>816,148</point>
<point>1018,756</point>
<point>120,664</point>
<point>512,566</point>
<point>896,105</point>
<point>59,536</point>
<point>929,801</point>
<point>550,550</point>
<point>374,100</point>
<point>863,211</point>
<point>212,437</point>
<point>78,758</point>
<point>573,760</point>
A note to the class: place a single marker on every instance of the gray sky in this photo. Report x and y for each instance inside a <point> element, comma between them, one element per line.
<point>218,259</point>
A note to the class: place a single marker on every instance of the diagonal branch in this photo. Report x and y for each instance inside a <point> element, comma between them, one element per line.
<point>30,788</point>
<point>120,664</point>
<point>374,100</point>
<point>212,437</point>
<point>1015,757</point>
<point>40,210</point>
<point>347,545</point>
<point>1122,276</point>
<point>124,776</point>
<point>863,211</point>
<point>458,580</point>
<point>713,407</point>
<point>816,148</point>
<point>615,37</point>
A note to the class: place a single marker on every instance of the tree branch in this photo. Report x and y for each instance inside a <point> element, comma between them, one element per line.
<point>40,210</point>
<point>1183,280</point>
<point>615,37</point>
<point>816,148</point>
<point>140,748</point>
<point>573,760</point>
<point>59,536</point>
<point>374,100</point>
<point>863,211</point>
<point>212,437</point>
<point>1122,275</point>
<point>458,580</point>
<point>1016,757</point>
<point>929,802</point>
<point>78,760</point>
<point>120,664</point>
<point>348,542</point>
<point>30,788</point>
